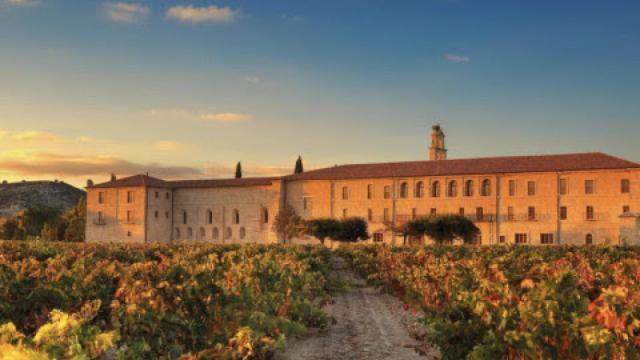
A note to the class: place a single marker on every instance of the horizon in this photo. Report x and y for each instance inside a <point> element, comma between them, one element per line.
<point>185,89</point>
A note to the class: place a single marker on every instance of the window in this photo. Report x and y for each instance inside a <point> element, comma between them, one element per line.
<point>345,213</point>
<point>546,238</point>
<point>166,214</point>
<point>452,189</point>
<point>100,219</point>
<point>156,214</point>
<point>345,193</point>
<point>101,197</point>
<point>129,233</point>
<point>166,195</point>
<point>215,234</point>
<point>468,188</point>
<point>435,189</point>
<point>228,233</point>
<point>563,188</point>
<point>461,211</point>
<point>387,192</point>
<point>531,213</point>
<point>590,213</point>
<point>177,233</point>
<point>531,188</point>
<point>209,217</point>
<point>404,190</point>
<point>129,216</point>
<point>502,239</point>
<point>434,212</point>
<point>521,238</point>
<point>184,217</point>
<point>588,239</point>
<point>414,213</point>
<point>306,203</point>
<point>625,186</point>
<point>265,215</point>
<point>235,217</point>
<point>243,233</point>
<point>486,188</point>
<point>564,213</point>
<point>202,233</point>
<point>378,237</point>
<point>479,213</point>
<point>130,197</point>
<point>385,214</point>
<point>626,209</point>
<point>370,214</point>
<point>510,214</point>
<point>589,187</point>
<point>157,194</point>
<point>419,193</point>
<point>189,232</point>
<point>512,188</point>
<point>369,191</point>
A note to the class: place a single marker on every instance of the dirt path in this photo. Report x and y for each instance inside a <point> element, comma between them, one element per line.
<point>368,325</point>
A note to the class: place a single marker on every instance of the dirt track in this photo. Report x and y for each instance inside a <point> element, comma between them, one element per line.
<point>367,325</point>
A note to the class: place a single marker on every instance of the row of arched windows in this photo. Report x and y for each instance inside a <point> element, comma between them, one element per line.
<point>452,189</point>
<point>215,233</point>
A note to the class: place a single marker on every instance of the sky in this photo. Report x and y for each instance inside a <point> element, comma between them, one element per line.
<point>185,89</point>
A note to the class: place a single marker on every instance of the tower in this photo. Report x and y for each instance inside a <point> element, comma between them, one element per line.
<point>437,151</point>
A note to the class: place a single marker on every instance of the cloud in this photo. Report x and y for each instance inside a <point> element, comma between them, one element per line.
<point>253,80</point>
<point>458,59</point>
<point>227,117</point>
<point>86,139</point>
<point>47,164</point>
<point>128,13</point>
<point>168,145</point>
<point>202,14</point>
<point>28,136</point>
<point>22,2</point>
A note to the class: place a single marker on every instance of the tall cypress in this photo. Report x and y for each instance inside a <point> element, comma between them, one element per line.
<point>238,170</point>
<point>299,168</point>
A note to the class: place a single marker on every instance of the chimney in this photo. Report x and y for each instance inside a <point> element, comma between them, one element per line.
<point>89,183</point>
<point>437,151</point>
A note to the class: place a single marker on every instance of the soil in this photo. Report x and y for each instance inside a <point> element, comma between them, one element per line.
<point>366,324</point>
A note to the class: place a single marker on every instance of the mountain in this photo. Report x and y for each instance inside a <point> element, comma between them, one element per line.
<point>16,197</point>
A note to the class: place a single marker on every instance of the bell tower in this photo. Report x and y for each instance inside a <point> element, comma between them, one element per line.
<point>437,151</point>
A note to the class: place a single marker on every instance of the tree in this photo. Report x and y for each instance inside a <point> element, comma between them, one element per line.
<point>288,225</point>
<point>299,169</point>
<point>238,170</point>
<point>69,227</point>
<point>443,228</point>
<point>323,228</point>
<point>353,229</point>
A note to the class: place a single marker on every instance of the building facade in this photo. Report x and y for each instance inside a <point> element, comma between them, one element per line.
<point>589,198</point>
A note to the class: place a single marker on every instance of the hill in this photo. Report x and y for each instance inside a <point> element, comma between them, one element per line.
<point>16,197</point>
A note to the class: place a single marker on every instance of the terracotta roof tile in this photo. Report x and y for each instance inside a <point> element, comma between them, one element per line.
<point>148,181</point>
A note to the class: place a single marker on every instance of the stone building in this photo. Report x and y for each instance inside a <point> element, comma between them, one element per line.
<point>588,198</point>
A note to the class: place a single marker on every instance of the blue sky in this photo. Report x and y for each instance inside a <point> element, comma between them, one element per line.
<point>187,88</point>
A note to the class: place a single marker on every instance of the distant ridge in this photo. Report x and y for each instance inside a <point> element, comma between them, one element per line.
<point>16,197</point>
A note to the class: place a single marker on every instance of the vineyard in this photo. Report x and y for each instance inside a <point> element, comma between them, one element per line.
<point>516,302</point>
<point>156,301</point>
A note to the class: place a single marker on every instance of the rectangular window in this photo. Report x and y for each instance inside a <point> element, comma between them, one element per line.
<point>521,238</point>
<point>479,213</point>
<point>626,209</point>
<point>130,197</point>
<point>345,193</point>
<point>503,239</point>
<point>461,211</point>
<point>129,216</point>
<point>387,192</point>
<point>345,213</point>
<point>532,213</point>
<point>101,197</point>
<point>100,220</point>
<point>369,191</point>
<point>512,188</point>
<point>531,188</point>
<point>370,214</point>
<point>414,213</point>
<point>166,214</point>
<point>590,213</point>
<point>564,213</point>
<point>563,187</point>
<point>157,194</point>
<point>385,214</point>
<point>510,214</point>
<point>434,211</point>
<point>156,214</point>
<point>166,195</point>
<point>378,237</point>
<point>589,187</point>
<point>625,186</point>
<point>306,203</point>
<point>546,238</point>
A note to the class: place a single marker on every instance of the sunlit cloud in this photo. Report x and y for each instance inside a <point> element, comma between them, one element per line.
<point>86,139</point>
<point>21,2</point>
<point>202,14</point>
<point>129,13</point>
<point>458,59</point>
<point>228,117</point>
<point>169,145</point>
<point>28,136</point>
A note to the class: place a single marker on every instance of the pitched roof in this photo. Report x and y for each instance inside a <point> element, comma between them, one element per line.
<point>493,165</point>
<point>148,181</point>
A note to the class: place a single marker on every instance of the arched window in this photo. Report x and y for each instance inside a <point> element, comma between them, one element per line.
<point>202,233</point>
<point>404,190</point>
<point>435,189</point>
<point>265,215</point>
<point>419,193</point>
<point>189,232</point>
<point>243,233</point>
<point>452,189</point>
<point>215,234</point>
<point>209,217</point>
<point>228,233</point>
<point>486,187</point>
<point>184,217</point>
<point>468,188</point>
<point>588,239</point>
<point>177,233</point>
<point>236,217</point>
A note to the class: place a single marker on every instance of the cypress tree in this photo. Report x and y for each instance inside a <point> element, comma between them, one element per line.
<point>299,168</point>
<point>238,170</point>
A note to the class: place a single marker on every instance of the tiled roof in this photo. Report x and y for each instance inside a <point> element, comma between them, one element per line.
<point>494,165</point>
<point>148,181</point>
